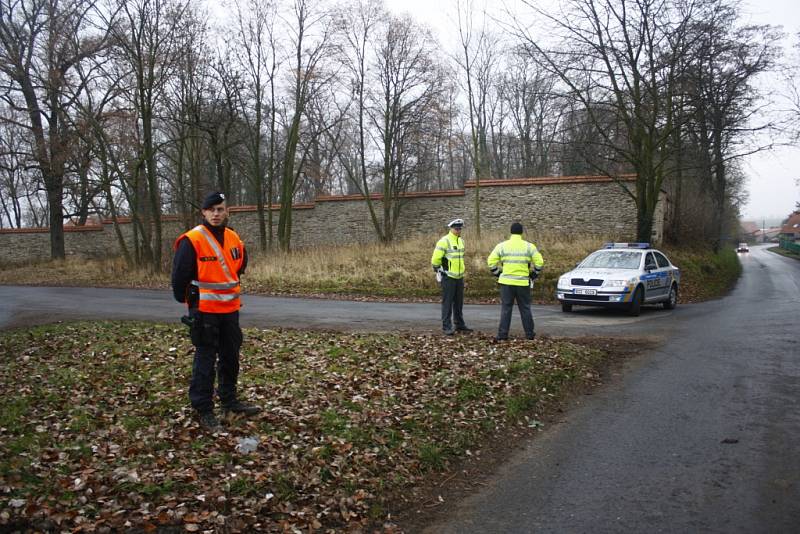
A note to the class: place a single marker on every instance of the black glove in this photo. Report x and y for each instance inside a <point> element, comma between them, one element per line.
<point>496,271</point>
<point>534,275</point>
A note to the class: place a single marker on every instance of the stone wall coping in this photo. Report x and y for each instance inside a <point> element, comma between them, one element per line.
<point>128,220</point>
<point>232,209</point>
<point>549,180</point>
<point>379,196</point>
<point>273,207</point>
<point>46,229</point>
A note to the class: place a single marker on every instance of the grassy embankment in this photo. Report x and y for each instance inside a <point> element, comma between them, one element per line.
<point>398,271</point>
<point>784,252</point>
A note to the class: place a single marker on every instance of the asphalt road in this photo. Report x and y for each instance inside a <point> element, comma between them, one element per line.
<point>24,306</point>
<point>701,435</point>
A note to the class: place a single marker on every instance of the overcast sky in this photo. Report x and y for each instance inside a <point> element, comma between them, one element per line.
<point>772,176</point>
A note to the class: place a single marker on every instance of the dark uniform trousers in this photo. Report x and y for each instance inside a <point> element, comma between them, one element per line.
<point>452,302</point>
<point>215,334</point>
<point>522,295</point>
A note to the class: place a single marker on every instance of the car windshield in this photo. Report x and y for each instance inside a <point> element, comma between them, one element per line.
<point>613,259</point>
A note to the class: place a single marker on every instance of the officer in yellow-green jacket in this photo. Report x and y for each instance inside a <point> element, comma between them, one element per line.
<point>515,263</point>
<point>448,264</point>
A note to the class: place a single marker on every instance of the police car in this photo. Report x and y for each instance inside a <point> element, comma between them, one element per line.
<point>623,275</point>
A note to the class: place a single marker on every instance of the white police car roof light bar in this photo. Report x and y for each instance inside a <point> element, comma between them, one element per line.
<point>627,245</point>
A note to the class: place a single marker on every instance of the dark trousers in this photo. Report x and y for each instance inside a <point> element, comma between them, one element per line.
<point>452,302</point>
<point>522,295</point>
<point>217,338</point>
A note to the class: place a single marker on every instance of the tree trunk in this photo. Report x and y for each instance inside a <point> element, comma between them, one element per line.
<point>287,184</point>
<point>644,214</point>
<point>55,188</point>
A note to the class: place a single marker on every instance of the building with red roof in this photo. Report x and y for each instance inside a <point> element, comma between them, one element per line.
<point>791,228</point>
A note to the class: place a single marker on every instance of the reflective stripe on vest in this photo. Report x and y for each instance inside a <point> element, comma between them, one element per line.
<point>212,285</point>
<point>218,297</point>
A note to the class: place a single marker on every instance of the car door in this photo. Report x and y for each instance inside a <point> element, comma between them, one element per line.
<point>665,272</point>
<point>653,279</point>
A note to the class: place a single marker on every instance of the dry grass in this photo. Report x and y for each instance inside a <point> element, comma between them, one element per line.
<point>399,271</point>
<point>402,269</point>
<point>81,272</point>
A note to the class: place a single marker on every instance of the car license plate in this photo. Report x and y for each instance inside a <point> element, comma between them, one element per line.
<point>586,292</point>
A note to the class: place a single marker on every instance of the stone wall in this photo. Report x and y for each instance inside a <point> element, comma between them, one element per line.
<point>569,205</point>
<point>33,244</point>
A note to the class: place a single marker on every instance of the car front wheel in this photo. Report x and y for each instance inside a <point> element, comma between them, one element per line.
<point>672,300</point>
<point>635,307</point>
<point>566,307</point>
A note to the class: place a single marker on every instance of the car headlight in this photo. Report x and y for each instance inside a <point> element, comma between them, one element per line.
<point>563,281</point>
<point>619,283</point>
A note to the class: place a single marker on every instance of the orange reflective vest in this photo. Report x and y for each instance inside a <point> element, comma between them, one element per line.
<point>217,269</point>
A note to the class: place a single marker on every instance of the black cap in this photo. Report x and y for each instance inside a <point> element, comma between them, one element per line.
<point>212,199</point>
<point>516,228</point>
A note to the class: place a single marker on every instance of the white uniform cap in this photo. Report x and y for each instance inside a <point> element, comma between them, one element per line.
<point>456,223</point>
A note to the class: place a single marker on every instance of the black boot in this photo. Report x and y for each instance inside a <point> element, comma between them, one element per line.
<point>209,421</point>
<point>241,407</point>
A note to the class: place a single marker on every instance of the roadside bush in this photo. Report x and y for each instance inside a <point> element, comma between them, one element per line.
<point>705,275</point>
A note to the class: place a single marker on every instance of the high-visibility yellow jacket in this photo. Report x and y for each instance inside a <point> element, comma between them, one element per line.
<point>518,258</point>
<point>217,269</point>
<point>449,254</point>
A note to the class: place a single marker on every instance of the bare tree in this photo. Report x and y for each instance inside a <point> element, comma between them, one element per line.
<point>312,34</point>
<point>409,86</point>
<point>621,57</point>
<point>477,59</point>
<point>322,138</point>
<point>41,43</point>
<point>115,150</point>
<point>791,75</point>
<point>725,59</point>
<point>223,124</point>
<point>256,39</point>
<point>187,168</point>
<point>147,40</point>
<point>13,162</point>
<point>81,192</point>
<point>359,24</point>
<point>536,111</point>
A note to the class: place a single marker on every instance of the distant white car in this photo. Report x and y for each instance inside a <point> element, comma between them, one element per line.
<point>621,275</point>
<point>742,248</point>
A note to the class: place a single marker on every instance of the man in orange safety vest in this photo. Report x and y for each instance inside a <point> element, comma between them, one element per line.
<point>208,261</point>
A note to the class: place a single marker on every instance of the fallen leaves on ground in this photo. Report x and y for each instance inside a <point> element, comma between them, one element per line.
<point>96,435</point>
